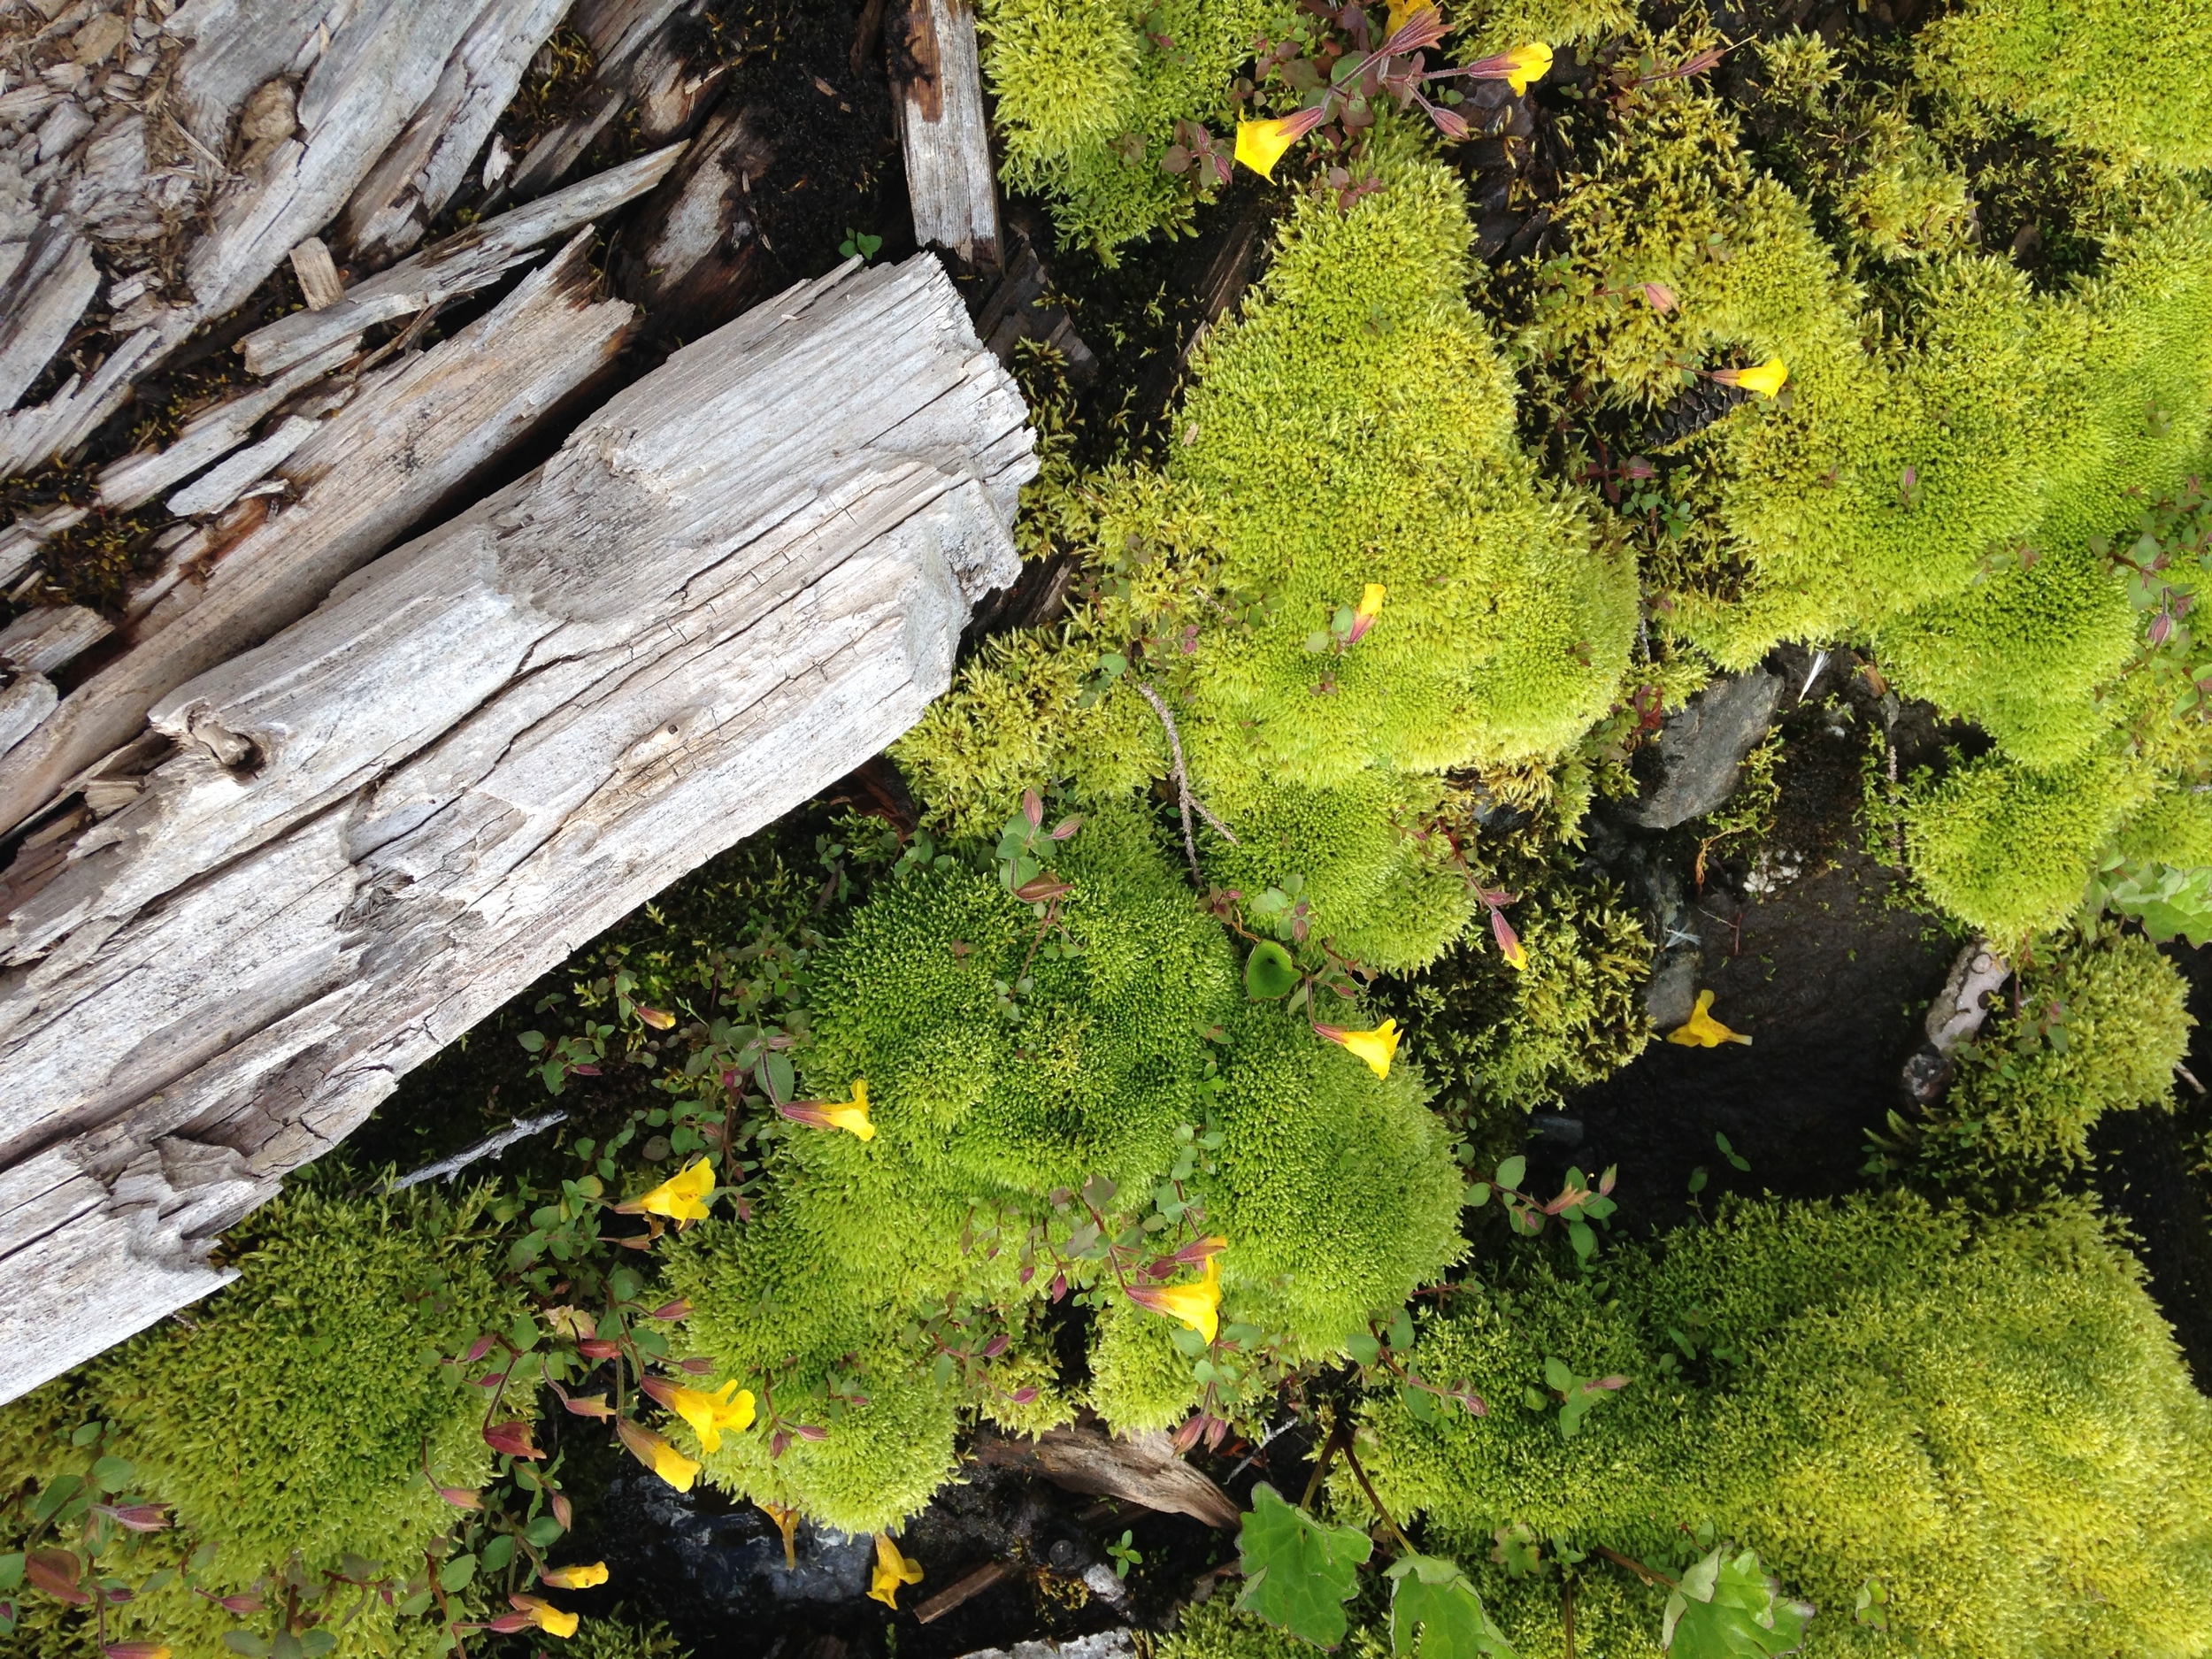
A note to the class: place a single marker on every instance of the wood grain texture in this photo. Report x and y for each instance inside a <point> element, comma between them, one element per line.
<point>734,582</point>
<point>937,93</point>
<point>411,435</point>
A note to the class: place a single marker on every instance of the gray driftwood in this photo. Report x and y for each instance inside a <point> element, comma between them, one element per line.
<point>937,95</point>
<point>1143,1469</point>
<point>734,582</point>
<point>399,441</point>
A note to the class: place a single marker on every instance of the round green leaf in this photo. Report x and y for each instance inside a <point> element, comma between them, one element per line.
<point>1269,973</point>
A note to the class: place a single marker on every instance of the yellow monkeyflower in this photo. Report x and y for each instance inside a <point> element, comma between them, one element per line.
<point>1403,12</point>
<point>585,1576</point>
<point>1526,64</point>
<point>1261,144</point>
<point>850,1116</point>
<point>708,1411</point>
<point>1371,603</point>
<point>658,1455</point>
<point>1378,1047</point>
<point>545,1616</point>
<point>1197,1306</point>
<point>1701,1029</point>
<point>892,1569</point>
<point>1767,379</point>
<point>682,1198</point>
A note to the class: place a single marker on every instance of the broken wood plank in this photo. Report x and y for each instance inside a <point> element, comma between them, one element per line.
<point>317,274</point>
<point>692,259</point>
<point>630,53</point>
<point>1143,1469</point>
<point>415,179</point>
<point>46,294</point>
<point>937,95</point>
<point>964,1590</point>
<point>732,584</point>
<point>46,636</point>
<point>459,264</point>
<point>411,435</point>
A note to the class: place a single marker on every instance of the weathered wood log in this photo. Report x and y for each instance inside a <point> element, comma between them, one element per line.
<point>1143,1469</point>
<point>406,439</point>
<point>937,95</point>
<point>732,584</point>
<point>692,259</point>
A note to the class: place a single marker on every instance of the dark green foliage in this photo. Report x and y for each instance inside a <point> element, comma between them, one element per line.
<point>1988,1419</point>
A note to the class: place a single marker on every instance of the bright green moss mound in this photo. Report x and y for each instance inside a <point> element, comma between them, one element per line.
<point>2101,1029</point>
<point>1089,93</point>
<point>294,1412</point>
<point>1357,427</point>
<point>1384,893</point>
<point>1987,1418</point>
<point>2008,849</point>
<point>2126,77</point>
<point>995,1076</point>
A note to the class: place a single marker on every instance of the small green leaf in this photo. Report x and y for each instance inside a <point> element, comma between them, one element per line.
<point>1269,973</point>
<point>1435,1614</point>
<point>499,1551</point>
<point>1299,1571</point>
<point>417,1604</point>
<point>456,1574</point>
<point>1363,1348</point>
<point>544,1532</point>
<point>1511,1171</point>
<point>11,1572</point>
<point>244,1642</point>
<point>315,1643</point>
<point>113,1474</point>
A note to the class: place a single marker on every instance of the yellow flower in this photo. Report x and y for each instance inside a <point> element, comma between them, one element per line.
<point>1403,12</point>
<point>1526,64</point>
<point>1701,1029</point>
<point>1371,603</point>
<point>787,1522</point>
<point>682,1198</point>
<point>1197,1306</point>
<point>547,1617</point>
<point>658,1455</point>
<point>891,1571</point>
<point>1376,1047</point>
<point>582,1577</point>
<point>1261,144</point>
<point>709,1412</point>
<point>1767,379</point>
<point>850,1116</point>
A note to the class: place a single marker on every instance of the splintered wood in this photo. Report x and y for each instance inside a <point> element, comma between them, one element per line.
<point>734,582</point>
<point>937,93</point>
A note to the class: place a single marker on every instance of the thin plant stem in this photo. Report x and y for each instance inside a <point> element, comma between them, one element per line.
<point>1636,1567</point>
<point>1351,1459</point>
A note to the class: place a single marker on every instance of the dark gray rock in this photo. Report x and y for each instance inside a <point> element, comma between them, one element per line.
<point>1672,992</point>
<point>1694,762</point>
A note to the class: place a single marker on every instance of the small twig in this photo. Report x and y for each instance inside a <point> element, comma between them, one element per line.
<point>1320,1467</point>
<point>491,1147</point>
<point>1351,1459</point>
<point>1185,801</point>
<point>1636,1567</point>
<point>965,1589</point>
<point>2188,1077</point>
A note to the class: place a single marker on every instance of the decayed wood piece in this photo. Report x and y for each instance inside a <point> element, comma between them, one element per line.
<point>254,120</point>
<point>693,253</point>
<point>732,584</point>
<point>1144,1469</point>
<point>45,637</point>
<point>427,164</point>
<point>411,435</point>
<point>459,264</point>
<point>52,283</point>
<point>634,64</point>
<point>937,94</point>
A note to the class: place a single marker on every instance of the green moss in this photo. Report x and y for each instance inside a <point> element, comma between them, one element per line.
<point>1089,94</point>
<point>2008,850</point>
<point>1140,1381</point>
<point>2098,1029</point>
<point>1988,1419</point>
<point>2114,75</point>
<point>1503,1039</point>
<point>292,1412</point>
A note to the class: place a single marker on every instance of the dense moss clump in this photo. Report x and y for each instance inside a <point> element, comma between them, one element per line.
<point>1090,95</point>
<point>2113,75</point>
<point>2098,1028</point>
<point>2008,849</point>
<point>291,1415</point>
<point>1987,1420</point>
<point>1010,1064</point>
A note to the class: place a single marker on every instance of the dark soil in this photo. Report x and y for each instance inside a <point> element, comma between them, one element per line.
<point>1816,953</point>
